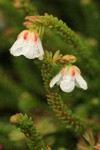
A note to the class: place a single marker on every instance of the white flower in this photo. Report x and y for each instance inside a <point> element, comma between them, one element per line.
<point>68,78</point>
<point>28,44</point>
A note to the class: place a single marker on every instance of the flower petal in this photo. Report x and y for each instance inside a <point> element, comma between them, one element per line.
<point>39,45</point>
<point>67,84</point>
<point>80,82</point>
<point>30,50</point>
<point>55,79</point>
<point>16,49</point>
<point>40,57</point>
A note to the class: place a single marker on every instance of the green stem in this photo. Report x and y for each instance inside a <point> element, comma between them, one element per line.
<point>70,37</point>
<point>33,139</point>
<point>56,103</point>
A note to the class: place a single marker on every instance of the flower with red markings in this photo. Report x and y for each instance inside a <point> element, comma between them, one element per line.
<point>68,78</point>
<point>28,44</point>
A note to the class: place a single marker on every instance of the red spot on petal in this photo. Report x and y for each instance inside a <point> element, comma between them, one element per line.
<point>25,36</point>
<point>35,37</point>
<point>73,72</point>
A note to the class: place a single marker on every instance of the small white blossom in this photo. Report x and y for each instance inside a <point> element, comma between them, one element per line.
<point>68,78</point>
<point>28,44</point>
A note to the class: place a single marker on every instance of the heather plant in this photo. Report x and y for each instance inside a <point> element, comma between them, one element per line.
<point>52,88</point>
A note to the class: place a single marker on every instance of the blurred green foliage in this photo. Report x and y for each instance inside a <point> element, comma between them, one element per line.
<point>21,85</point>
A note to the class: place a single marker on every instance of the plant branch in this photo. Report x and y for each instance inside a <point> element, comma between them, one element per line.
<point>56,103</point>
<point>33,139</point>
